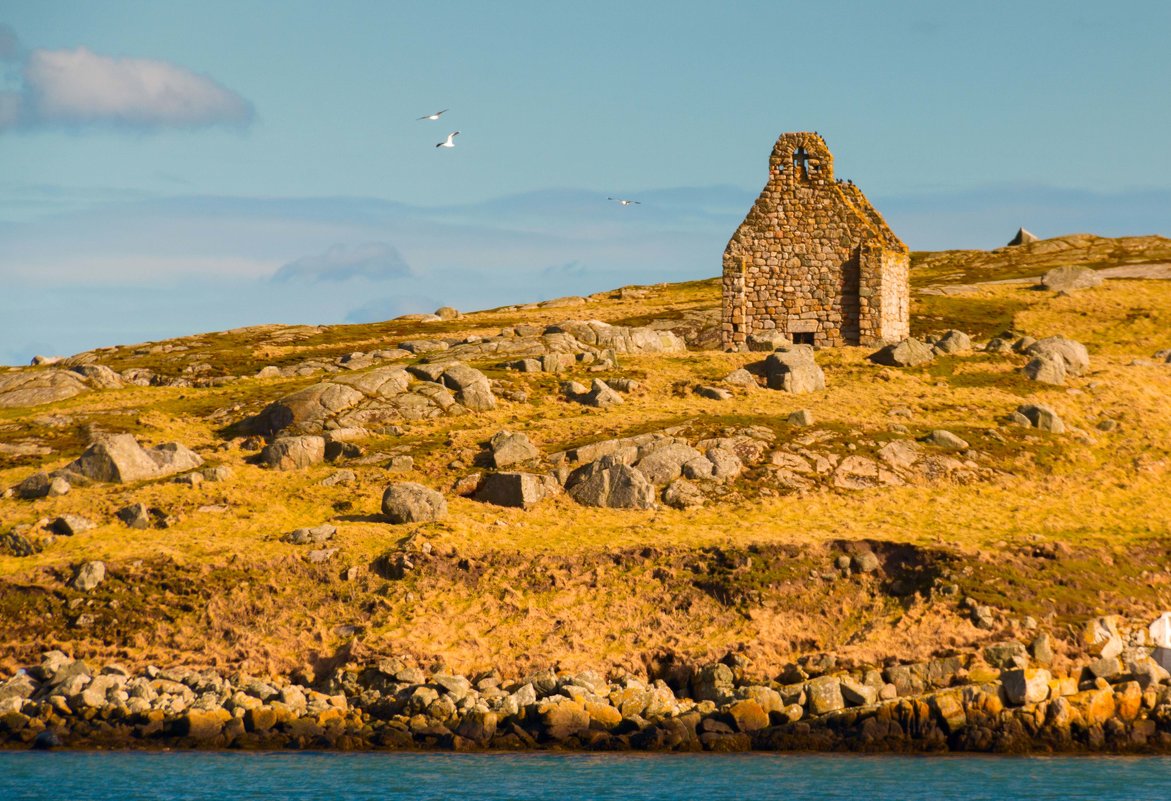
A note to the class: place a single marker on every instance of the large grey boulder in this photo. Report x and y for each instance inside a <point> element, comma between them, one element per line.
<point>171,458</point>
<point>408,502</point>
<point>520,490</point>
<point>88,576</point>
<point>610,483</point>
<point>665,463</point>
<point>824,694</point>
<point>1075,355</point>
<point>1047,369</point>
<point>120,459</point>
<point>1042,417</point>
<point>908,353</point>
<point>1070,279</point>
<point>293,453</point>
<point>509,448</point>
<point>953,342</point>
<point>793,370</point>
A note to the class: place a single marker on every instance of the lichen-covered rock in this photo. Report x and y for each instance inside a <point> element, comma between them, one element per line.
<point>664,463</point>
<point>1071,278</point>
<point>947,440</point>
<point>509,448</point>
<point>794,370</point>
<point>908,353</point>
<point>472,389</point>
<point>88,576</point>
<point>1075,355</point>
<point>520,490</point>
<point>610,483</point>
<point>118,458</point>
<point>1042,417</point>
<point>293,453</point>
<point>408,502</point>
<point>953,342</point>
<point>682,494</point>
<point>36,387</point>
<point>824,694</point>
<point>1025,685</point>
<point>1047,369</point>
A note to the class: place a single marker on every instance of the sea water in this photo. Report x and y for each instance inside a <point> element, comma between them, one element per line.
<point>225,776</point>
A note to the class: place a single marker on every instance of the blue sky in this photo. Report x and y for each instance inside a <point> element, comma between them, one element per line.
<point>167,168</point>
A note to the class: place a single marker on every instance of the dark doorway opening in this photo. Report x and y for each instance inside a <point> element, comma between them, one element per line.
<point>851,302</point>
<point>803,338</point>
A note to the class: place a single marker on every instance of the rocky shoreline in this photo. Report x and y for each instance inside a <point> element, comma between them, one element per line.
<point>998,700</point>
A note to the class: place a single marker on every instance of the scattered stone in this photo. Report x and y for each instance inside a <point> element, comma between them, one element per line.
<point>1046,370</point>
<point>472,388</point>
<point>665,463</point>
<point>519,490</point>
<point>1042,417</point>
<point>713,393</point>
<point>1077,358</point>
<point>623,384</point>
<point>740,378</point>
<point>467,485</point>
<point>1070,279</point>
<point>88,576</point>
<point>68,525</point>
<point>218,473</point>
<point>726,464</point>
<point>946,440</point>
<point>134,516</point>
<point>908,353</point>
<point>865,562</point>
<point>953,342</point>
<point>339,478</point>
<point>190,479</point>
<point>447,313</point>
<point>802,417</point>
<point>509,448</point>
<point>293,453</point>
<point>17,544</point>
<point>317,535</point>
<point>42,485</point>
<point>794,370</point>
<point>600,395</point>
<point>408,502</point>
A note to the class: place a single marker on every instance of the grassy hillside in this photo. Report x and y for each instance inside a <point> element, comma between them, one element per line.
<point>1050,526</point>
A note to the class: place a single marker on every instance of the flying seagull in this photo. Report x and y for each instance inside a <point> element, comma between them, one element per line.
<point>434,116</point>
<point>625,202</point>
<point>449,141</point>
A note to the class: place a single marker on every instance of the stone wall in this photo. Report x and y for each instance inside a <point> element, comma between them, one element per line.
<point>813,256</point>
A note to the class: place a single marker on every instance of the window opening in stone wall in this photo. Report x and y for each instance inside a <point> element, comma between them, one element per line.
<point>801,159</point>
<point>803,338</point>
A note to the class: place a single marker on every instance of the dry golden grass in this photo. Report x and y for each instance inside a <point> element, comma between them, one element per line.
<point>548,588</point>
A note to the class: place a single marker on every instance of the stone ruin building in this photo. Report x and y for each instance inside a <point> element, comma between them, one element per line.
<point>813,260</point>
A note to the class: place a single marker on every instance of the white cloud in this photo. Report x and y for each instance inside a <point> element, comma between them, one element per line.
<point>374,261</point>
<point>76,88</point>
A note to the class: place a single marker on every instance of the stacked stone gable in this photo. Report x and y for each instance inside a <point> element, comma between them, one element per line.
<point>814,260</point>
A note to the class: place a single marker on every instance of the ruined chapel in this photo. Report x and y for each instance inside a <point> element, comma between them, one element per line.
<point>813,260</point>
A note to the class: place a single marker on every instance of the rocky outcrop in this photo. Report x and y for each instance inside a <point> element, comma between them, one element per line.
<point>374,399</point>
<point>520,490</point>
<point>36,387</point>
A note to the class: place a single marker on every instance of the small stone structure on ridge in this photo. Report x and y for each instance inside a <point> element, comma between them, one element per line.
<point>813,260</point>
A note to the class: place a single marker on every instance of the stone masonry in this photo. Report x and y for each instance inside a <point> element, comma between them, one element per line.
<point>813,260</point>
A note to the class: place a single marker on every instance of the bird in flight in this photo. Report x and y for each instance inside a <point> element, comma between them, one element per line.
<point>434,116</point>
<point>449,141</point>
<point>624,202</point>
